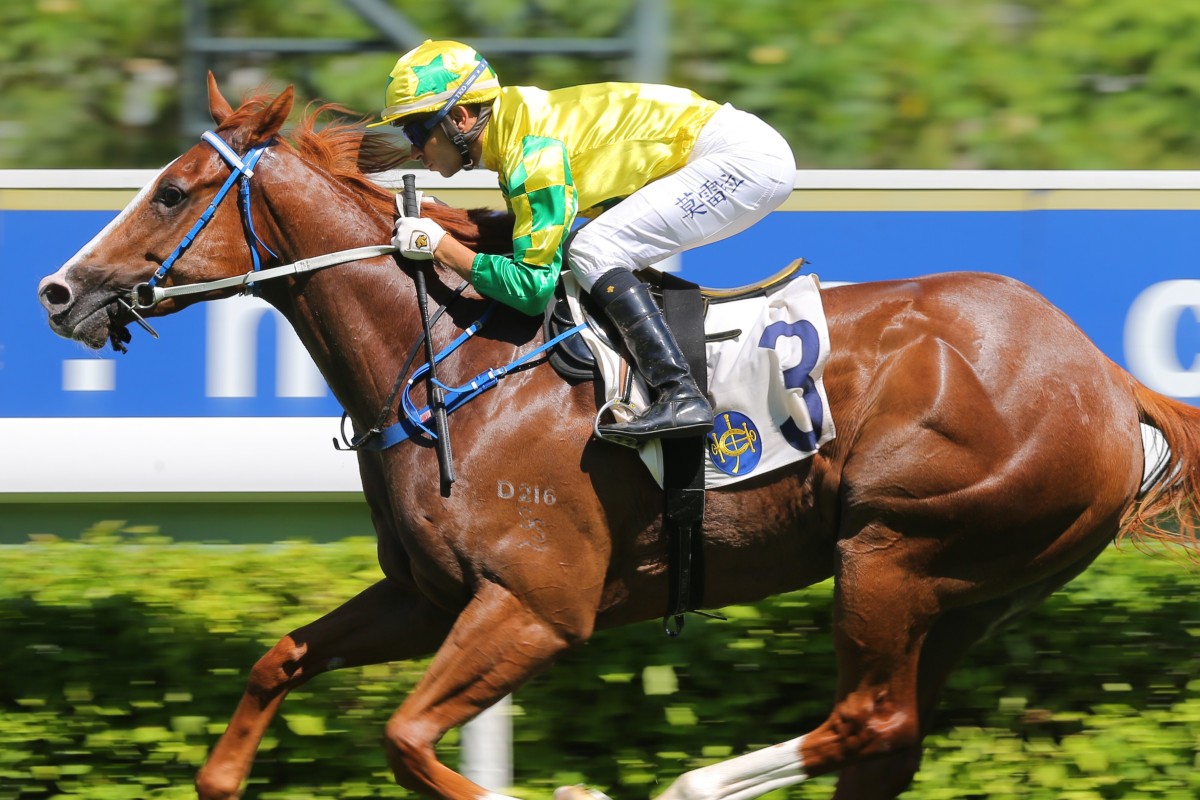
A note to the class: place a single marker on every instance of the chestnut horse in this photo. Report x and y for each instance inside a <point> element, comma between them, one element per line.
<point>986,453</point>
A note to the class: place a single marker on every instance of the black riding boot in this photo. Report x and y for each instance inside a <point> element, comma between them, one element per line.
<point>677,406</point>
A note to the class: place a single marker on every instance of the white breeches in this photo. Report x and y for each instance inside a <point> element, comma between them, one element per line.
<point>739,171</point>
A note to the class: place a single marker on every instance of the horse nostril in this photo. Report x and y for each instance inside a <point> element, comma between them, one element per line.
<point>55,295</point>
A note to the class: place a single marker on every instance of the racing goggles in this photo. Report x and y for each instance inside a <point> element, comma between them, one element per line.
<point>417,133</point>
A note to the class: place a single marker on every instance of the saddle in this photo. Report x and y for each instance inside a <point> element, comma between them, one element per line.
<point>573,359</point>
<point>740,337</point>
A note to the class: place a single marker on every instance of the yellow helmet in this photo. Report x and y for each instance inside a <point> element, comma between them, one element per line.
<point>434,77</point>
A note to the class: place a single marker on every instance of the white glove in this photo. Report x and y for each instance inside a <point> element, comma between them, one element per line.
<point>416,237</point>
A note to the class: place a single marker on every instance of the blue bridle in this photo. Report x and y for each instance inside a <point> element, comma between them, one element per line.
<point>412,423</point>
<point>240,170</point>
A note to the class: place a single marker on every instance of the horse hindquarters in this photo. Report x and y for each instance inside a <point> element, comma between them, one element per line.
<point>983,472</point>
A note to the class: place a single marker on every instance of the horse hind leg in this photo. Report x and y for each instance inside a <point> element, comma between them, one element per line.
<point>944,646</point>
<point>383,623</point>
<point>882,614</point>
<point>874,721</point>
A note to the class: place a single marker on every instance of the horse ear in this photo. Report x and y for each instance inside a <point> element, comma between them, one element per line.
<point>218,106</point>
<point>269,121</point>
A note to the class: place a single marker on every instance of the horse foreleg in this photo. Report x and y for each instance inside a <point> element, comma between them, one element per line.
<point>497,643</point>
<point>384,623</point>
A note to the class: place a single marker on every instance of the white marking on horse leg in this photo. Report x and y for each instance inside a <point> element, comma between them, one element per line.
<point>579,792</point>
<point>494,796</point>
<point>744,777</point>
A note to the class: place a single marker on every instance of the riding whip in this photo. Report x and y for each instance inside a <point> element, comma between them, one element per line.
<point>437,404</point>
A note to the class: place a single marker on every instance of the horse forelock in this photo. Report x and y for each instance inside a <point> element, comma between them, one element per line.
<point>250,108</point>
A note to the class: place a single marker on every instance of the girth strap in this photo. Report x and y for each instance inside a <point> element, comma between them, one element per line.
<point>683,464</point>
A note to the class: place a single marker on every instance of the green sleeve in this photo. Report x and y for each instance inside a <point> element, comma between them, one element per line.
<point>541,193</point>
<point>525,287</point>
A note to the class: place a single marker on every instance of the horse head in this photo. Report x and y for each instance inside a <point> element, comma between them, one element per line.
<point>91,298</point>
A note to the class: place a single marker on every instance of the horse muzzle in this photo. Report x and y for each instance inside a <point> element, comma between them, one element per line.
<point>59,300</point>
<point>93,324</point>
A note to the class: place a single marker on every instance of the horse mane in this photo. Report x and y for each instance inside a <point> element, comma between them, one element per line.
<point>350,154</point>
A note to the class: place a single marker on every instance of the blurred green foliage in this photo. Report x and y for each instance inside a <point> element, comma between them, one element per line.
<point>1006,84</point>
<point>124,654</point>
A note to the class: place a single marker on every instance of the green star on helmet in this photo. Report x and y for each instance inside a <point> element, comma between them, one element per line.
<point>433,77</point>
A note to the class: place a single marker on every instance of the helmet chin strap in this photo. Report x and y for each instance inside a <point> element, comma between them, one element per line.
<point>457,138</point>
<point>462,140</point>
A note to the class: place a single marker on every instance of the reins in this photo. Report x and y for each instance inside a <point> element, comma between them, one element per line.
<point>147,296</point>
<point>358,442</point>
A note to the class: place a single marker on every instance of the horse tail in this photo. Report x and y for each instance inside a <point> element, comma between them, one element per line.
<point>1166,510</point>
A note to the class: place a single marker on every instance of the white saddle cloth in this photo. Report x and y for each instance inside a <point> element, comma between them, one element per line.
<point>765,382</point>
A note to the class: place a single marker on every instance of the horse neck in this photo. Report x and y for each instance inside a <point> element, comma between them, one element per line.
<point>357,320</point>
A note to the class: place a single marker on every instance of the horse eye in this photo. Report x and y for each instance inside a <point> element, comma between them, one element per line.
<point>170,196</point>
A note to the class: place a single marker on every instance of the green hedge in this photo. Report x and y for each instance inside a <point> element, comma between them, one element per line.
<point>122,656</point>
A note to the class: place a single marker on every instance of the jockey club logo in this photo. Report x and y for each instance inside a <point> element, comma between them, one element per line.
<point>733,445</point>
<point>422,242</point>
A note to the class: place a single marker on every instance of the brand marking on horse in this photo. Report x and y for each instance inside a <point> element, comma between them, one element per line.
<point>537,537</point>
<point>526,493</point>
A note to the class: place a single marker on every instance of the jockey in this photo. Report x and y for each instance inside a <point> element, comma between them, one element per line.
<point>659,168</point>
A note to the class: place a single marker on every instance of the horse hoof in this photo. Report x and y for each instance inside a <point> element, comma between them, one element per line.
<point>209,787</point>
<point>579,792</point>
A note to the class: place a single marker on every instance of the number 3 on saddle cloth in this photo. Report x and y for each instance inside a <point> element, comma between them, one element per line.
<point>766,347</point>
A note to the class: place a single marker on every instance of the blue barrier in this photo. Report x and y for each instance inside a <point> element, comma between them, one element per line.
<point>1119,261</point>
